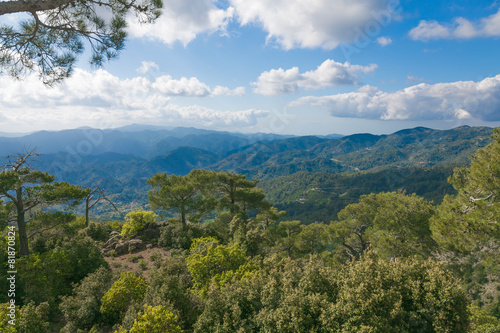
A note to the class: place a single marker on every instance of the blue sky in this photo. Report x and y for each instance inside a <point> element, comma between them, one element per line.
<point>288,67</point>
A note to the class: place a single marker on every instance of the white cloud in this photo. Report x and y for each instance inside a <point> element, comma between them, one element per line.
<point>319,23</point>
<point>182,21</point>
<point>96,97</point>
<point>329,73</point>
<point>384,41</point>
<point>461,28</point>
<point>183,87</point>
<point>410,79</point>
<point>191,87</point>
<point>455,100</point>
<point>147,66</point>
<point>219,90</point>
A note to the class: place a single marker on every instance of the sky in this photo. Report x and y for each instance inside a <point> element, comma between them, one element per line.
<point>302,67</point>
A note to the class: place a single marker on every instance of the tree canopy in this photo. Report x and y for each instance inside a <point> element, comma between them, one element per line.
<point>469,220</point>
<point>54,33</point>
<point>26,190</point>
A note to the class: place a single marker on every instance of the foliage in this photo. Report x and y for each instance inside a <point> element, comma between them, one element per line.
<point>48,229</point>
<point>127,289</point>
<point>238,194</point>
<point>286,233</point>
<point>81,310</point>
<point>5,312</point>
<point>369,295</point>
<point>137,222</point>
<point>212,262</point>
<point>467,221</point>
<point>183,194</point>
<point>99,231</point>
<point>319,196</point>
<point>30,319</point>
<point>53,37</point>
<point>49,275</point>
<point>156,320</point>
<point>406,296</point>
<point>286,296</point>
<point>393,224</point>
<point>176,236</point>
<point>170,286</point>
<point>246,270</point>
<point>466,228</point>
<point>312,238</point>
<point>34,318</point>
<point>28,189</point>
<point>481,322</point>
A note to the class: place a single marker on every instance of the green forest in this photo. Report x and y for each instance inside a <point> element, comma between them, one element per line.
<point>214,253</point>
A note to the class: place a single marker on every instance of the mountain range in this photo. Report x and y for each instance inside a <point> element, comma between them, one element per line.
<point>121,160</point>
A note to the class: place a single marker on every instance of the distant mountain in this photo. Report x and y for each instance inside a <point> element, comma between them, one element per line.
<point>139,140</point>
<point>182,160</point>
<point>122,160</point>
<point>422,147</point>
<point>12,134</point>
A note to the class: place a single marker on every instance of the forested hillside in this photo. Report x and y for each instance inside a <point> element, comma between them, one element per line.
<point>212,253</point>
<point>120,162</point>
<point>319,196</point>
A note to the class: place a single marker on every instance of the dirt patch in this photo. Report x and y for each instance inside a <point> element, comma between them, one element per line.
<point>139,262</point>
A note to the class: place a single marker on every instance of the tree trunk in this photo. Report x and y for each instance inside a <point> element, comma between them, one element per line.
<point>21,227</point>
<point>87,208</point>
<point>183,215</point>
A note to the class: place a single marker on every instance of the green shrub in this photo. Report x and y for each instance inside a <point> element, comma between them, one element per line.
<point>143,264</point>
<point>47,276</point>
<point>178,236</point>
<point>134,258</point>
<point>34,319</point>
<point>81,310</point>
<point>99,231</point>
<point>156,320</point>
<point>127,289</point>
<point>137,222</point>
<point>5,312</point>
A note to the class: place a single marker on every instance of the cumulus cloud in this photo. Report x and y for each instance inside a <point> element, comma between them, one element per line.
<point>442,101</point>
<point>147,66</point>
<point>100,96</point>
<point>329,73</point>
<point>312,24</point>
<point>384,41</point>
<point>461,28</point>
<point>191,87</point>
<point>181,21</point>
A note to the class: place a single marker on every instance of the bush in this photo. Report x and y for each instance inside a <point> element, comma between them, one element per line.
<point>82,309</point>
<point>34,319</point>
<point>127,289</point>
<point>404,296</point>
<point>47,276</point>
<point>170,287</point>
<point>5,326</point>
<point>99,231</point>
<point>156,320</point>
<point>481,322</point>
<point>137,222</point>
<point>210,262</point>
<point>368,295</point>
<point>143,264</point>
<point>178,236</point>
